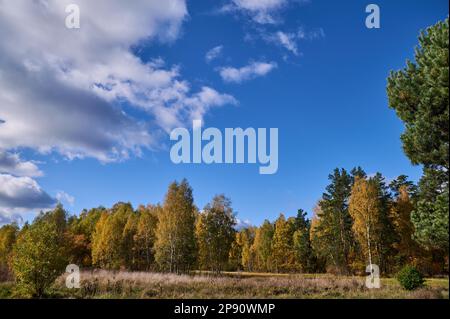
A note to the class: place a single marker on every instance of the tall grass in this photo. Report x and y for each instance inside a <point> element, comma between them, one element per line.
<point>122,284</point>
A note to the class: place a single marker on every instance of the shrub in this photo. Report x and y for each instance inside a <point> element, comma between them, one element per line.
<point>37,259</point>
<point>410,278</point>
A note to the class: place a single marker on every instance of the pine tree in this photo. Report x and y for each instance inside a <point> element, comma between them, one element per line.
<point>387,234</point>
<point>302,243</point>
<point>430,217</point>
<point>419,95</point>
<point>334,232</point>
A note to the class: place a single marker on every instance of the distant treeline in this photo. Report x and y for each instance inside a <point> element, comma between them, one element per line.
<point>358,220</point>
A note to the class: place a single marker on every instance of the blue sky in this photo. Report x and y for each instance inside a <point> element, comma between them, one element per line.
<point>326,96</point>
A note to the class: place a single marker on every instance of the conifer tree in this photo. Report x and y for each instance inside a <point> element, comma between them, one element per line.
<point>302,243</point>
<point>334,232</point>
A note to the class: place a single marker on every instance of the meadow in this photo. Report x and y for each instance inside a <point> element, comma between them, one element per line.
<point>144,285</point>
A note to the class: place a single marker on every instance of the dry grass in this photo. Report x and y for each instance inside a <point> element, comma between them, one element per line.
<point>105,284</point>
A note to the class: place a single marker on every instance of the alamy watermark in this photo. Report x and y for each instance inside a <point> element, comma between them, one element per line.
<point>373,20</point>
<point>262,146</point>
<point>373,279</point>
<point>73,277</point>
<point>73,18</point>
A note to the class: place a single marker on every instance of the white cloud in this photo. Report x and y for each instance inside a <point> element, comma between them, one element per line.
<point>303,34</point>
<point>22,193</point>
<point>242,224</point>
<point>7,217</point>
<point>287,40</point>
<point>65,90</point>
<point>62,196</point>
<point>260,11</point>
<point>214,53</point>
<point>71,91</point>
<point>253,70</point>
<point>12,163</point>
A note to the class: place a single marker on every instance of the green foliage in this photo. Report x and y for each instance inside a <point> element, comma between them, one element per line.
<point>334,232</point>
<point>38,258</point>
<point>410,278</point>
<point>215,234</point>
<point>431,222</point>
<point>430,216</point>
<point>304,253</point>
<point>419,95</point>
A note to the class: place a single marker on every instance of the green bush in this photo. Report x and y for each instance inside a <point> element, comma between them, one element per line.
<point>410,278</point>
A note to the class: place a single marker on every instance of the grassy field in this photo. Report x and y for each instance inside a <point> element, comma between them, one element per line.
<point>104,284</point>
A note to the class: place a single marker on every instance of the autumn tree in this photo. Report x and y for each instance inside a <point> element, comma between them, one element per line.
<point>364,207</point>
<point>145,236</point>
<point>215,234</point>
<point>262,246</point>
<point>38,258</point>
<point>401,216</point>
<point>110,241</point>
<point>246,238</point>
<point>282,245</point>
<point>80,233</point>
<point>175,246</point>
<point>8,236</point>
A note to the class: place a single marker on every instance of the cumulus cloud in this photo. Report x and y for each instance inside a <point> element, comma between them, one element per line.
<point>9,218</point>
<point>68,90</point>
<point>214,53</point>
<point>73,91</point>
<point>12,163</point>
<point>248,72</point>
<point>22,193</point>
